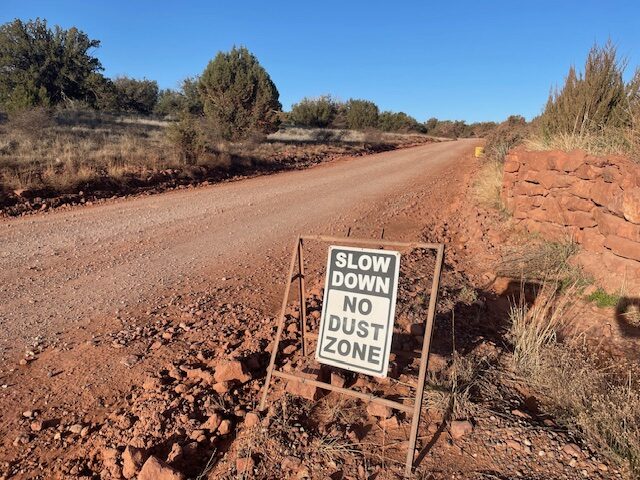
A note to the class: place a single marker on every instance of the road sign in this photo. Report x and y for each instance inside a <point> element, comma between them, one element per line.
<point>358,309</point>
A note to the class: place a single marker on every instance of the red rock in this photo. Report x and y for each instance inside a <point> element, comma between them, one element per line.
<point>568,162</point>
<point>155,469</point>
<point>623,247</point>
<point>460,428</point>
<point>337,379</point>
<point>251,419</point>
<point>391,423</point>
<point>303,390</point>
<point>587,172</point>
<point>198,374</point>
<point>613,225</point>
<point>573,203</point>
<point>245,466</point>
<point>511,164</point>
<point>591,239</point>
<point>528,188</point>
<point>231,370</point>
<point>212,423</point>
<point>380,411</point>
<point>579,219</point>
<point>225,427</point>
<point>631,205</point>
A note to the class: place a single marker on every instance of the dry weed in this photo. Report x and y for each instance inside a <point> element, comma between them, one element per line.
<point>488,185</point>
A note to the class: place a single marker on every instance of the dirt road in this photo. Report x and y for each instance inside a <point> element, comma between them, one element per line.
<point>65,270</point>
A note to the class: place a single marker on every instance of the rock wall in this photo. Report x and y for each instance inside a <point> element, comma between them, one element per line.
<point>593,200</point>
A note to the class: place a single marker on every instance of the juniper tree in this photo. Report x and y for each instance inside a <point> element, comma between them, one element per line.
<point>238,95</point>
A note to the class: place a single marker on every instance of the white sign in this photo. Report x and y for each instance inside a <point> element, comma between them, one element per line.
<point>358,309</point>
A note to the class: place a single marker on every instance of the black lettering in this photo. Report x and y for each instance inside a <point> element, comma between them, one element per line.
<point>334,323</point>
<point>347,330</point>
<point>347,347</point>
<point>376,327</point>
<point>374,355</point>
<point>367,303</point>
<point>349,304</point>
<point>359,350</point>
<point>363,329</point>
<point>331,341</point>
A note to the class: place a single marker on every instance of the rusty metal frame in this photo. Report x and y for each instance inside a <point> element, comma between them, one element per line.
<point>412,410</point>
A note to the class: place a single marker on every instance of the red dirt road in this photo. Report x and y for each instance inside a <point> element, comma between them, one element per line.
<point>60,273</point>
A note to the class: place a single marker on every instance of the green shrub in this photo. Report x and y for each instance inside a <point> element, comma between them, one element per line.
<point>398,122</point>
<point>238,95</point>
<point>361,114</point>
<point>138,96</point>
<point>595,110</point>
<point>187,137</point>
<point>314,112</point>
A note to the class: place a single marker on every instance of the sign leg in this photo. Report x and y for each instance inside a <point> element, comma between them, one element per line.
<point>274,352</point>
<point>424,360</point>
<point>303,299</point>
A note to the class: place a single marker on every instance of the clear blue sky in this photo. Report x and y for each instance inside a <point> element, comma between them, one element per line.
<point>472,60</point>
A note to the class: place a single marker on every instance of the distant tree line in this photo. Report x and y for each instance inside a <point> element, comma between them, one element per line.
<point>234,96</point>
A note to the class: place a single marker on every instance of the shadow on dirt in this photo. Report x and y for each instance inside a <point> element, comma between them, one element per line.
<point>627,314</point>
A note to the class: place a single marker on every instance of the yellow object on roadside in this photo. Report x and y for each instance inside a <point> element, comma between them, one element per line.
<point>479,152</point>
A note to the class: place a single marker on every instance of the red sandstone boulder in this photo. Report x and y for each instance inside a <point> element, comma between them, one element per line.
<point>623,247</point>
<point>631,205</point>
<point>154,469</point>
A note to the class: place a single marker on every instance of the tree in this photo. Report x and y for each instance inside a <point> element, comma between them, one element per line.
<point>314,112</point>
<point>192,97</point>
<point>136,95</point>
<point>361,114</point>
<point>238,95</point>
<point>170,102</point>
<point>41,67</point>
<point>398,122</point>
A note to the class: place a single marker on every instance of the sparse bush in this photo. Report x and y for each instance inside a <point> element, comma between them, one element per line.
<point>505,136</point>
<point>239,96</point>
<point>187,137</point>
<point>314,112</point>
<point>361,114</point>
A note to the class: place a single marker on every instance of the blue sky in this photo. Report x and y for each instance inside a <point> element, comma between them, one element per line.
<point>471,60</point>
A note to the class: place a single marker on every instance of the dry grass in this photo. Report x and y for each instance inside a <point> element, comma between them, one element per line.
<point>600,399</point>
<point>539,260</point>
<point>611,141</point>
<point>488,185</point>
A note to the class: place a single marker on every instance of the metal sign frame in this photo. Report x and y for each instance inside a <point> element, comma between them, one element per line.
<point>411,410</point>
